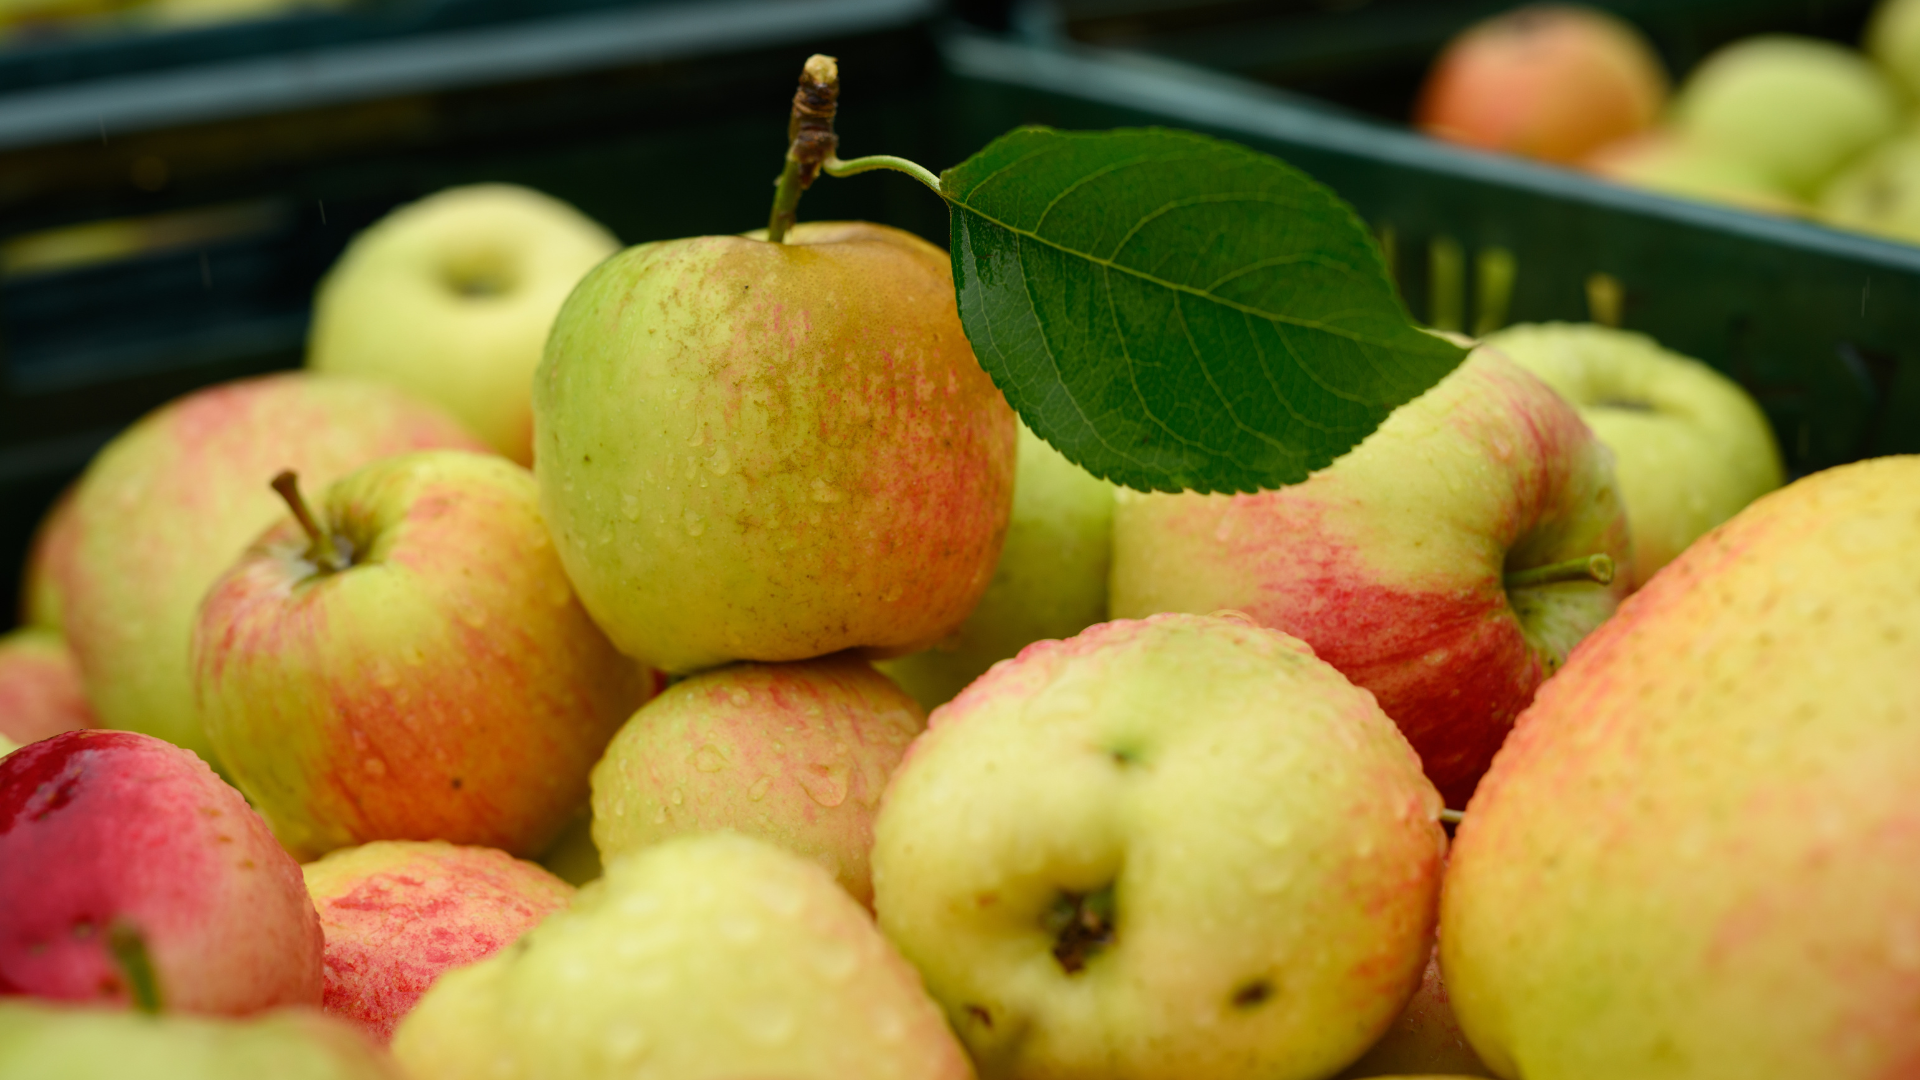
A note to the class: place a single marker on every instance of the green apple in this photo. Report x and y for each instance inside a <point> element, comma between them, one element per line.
<point>451,298</point>
<point>1893,40</point>
<point>794,754</point>
<point>397,914</point>
<point>173,500</point>
<point>572,857</point>
<point>1175,847</point>
<point>1424,565</point>
<point>1796,108</point>
<point>1051,581</point>
<point>50,1042</point>
<point>1665,161</point>
<point>1695,856</point>
<point>1690,447</point>
<point>759,451</point>
<point>705,956</point>
<point>1547,81</point>
<point>1879,193</point>
<point>41,694</point>
<point>410,664</point>
<point>1425,1039</point>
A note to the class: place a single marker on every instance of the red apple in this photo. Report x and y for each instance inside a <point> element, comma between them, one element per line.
<point>1550,81</point>
<point>397,914</point>
<point>109,836</point>
<point>427,674</point>
<point>40,690</point>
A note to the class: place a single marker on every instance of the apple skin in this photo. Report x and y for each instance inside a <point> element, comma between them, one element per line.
<point>1690,447</point>
<point>755,451</point>
<point>54,1042</point>
<point>446,686</point>
<point>1389,561</point>
<point>1425,1039</point>
<point>572,857</point>
<point>1271,848</point>
<point>173,500</point>
<point>1796,108</point>
<point>1892,39</point>
<point>1051,581</point>
<point>712,956</point>
<point>1879,193</point>
<point>398,913</point>
<point>1547,81</point>
<point>39,582</point>
<point>451,298</point>
<point>99,827</point>
<point>1665,161</point>
<point>794,754</point>
<point>40,690</point>
<point>1694,857</point>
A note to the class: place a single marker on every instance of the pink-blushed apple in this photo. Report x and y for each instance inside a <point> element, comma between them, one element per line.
<point>451,299</point>
<point>1425,1039</point>
<point>39,582</point>
<point>1695,856</point>
<point>409,663</point>
<point>173,500</point>
<point>1443,564</point>
<point>40,690</point>
<point>760,451</point>
<point>1547,81</point>
<point>398,913</point>
<point>1180,847</point>
<point>111,834</point>
<point>64,1042</point>
<point>795,754</point>
<point>713,955</point>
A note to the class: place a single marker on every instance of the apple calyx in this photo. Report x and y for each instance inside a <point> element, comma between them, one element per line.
<point>129,948</point>
<point>1592,569</point>
<point>1082,925</point>
<point>324,550</point>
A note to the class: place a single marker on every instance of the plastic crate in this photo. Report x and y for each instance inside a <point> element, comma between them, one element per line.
<point>1823,327</point>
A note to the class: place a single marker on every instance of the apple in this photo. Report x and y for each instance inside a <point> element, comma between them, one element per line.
<point>760,451</point>
<point>794,754</point>
<point>1690,447</point>
<point>1665,161</point>
<point>52,543</point>
<point>713,956</point>
<point>451,299</point>
<point>40,690</point>
<point>572,857</point>
<point>54,1042</point>
<point>114,843</point>
<point>1796,108</point>
<point>1695,856</point>
<point>1425,1039</point>
<point>1547,81</point>
<point>410,663</point>
<point>1426,565</point>
<point>397,914</point>
<point>1173,847</point>
<point>1879,193</point>
<point>1893,41</point>
<point>1051,581</point>
<point>174,499</point>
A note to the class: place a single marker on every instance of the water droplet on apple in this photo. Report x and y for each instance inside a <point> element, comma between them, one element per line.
<point>630,506</point>
<point>888,1026</point>
<point>892,595</point>
<point>677,797</point>
<point>660,815</point>
<point>721,461</point>
<point>695,523</point>
<point>835,961</point>
<point>759,789</point>
<point>778,897</point>
<point>769,1023</point>
<point>738,928</point>
<point>709,759</point>
<point>623,1044</point>
<point>739,695</point>
<point>374,766</point>
<point>825,782</point>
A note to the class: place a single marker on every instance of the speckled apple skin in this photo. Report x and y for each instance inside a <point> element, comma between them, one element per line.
<point>447,686</point>
<point>1273,849</point>
<point>398,913</point>
<point>173,500</point>
<point>1389,561</point>
<point>100,826</point>
<point>50,1042</point>
<point>755,451</point>
<point>711,956</point>
<point>795,754</point>
<point>1696,855</point>
<point>41,694</point>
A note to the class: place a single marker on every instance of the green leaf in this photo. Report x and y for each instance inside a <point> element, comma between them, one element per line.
<point>1176,312</point>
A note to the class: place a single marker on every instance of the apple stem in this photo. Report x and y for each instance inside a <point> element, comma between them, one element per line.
<point>129,948</point>
<point>321,550</point>
<point>1597,569</point>
<point>810,140</point>
<point>833,166</point>
<point>1453,817</point>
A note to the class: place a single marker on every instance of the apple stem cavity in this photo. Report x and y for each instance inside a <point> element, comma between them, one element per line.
<point>322,550</point>
<point>1592,569</point>
<point>129,948</point>
<point>811,146</point>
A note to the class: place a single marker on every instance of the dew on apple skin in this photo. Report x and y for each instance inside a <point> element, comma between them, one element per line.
<point>696,525</point>
<point>834,960</point>
<point>769,1023</point>
<point>740,696</point>
<point>623,1044</point>
<point>759,789</point>
<point>630,506</point>
<point>677,797</point>
<point>826,782</point>
<point>709,759</point>
<point>740,929</point>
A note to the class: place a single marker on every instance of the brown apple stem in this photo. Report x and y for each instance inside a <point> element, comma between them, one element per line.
<point>810,140</point>
<point>129,949</point>
<point>321,549</point>
<point>1597,569</point>
<point>1453,817</point>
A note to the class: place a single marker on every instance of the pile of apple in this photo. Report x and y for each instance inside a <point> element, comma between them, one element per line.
<point>1779,123</point>
<point>1204,839</point>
